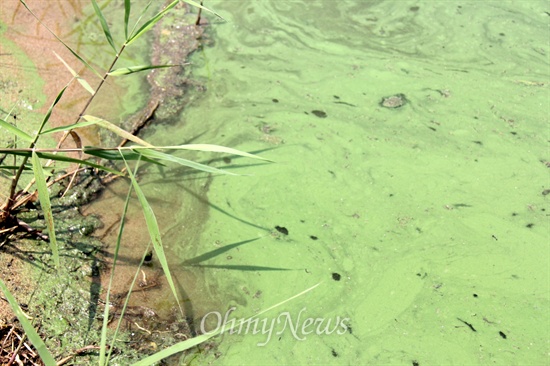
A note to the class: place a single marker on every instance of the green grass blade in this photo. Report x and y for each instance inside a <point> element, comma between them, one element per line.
<point>176,348</point>
<point>117,130</point>
<point>12,167</point>
<point>150,23</point>
<point>127,8</point>
<point>143,12</point>
<point>185,345</point>
<point>111,154</point>
<point>127,300</point>
<point>44,197</point>
<point>196,4</point>
<point>82,82</point>
<point>63,43</point>
<point>214,148</point>
<point>16,131</point>
<point>104,25</point>
<point>50,110</point>
<point>152,154</point>
<point>154,232</point>
<point>67,128</point>
<point>138,68</point>
<point>8,113</point>
<point>105,326</point>
<point>56,157</point>
<point>31,333</point>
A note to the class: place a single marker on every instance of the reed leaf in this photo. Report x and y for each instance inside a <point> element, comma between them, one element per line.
<point>31,333</point>
<point>117,130</point>
<point>152,154</point>
<point>176,348</point>
<point>56,157</point>
<point>49,113</point>
<point>11,167</point>
<point>185,345</point>
<point>127,9</point>
<point>104,25</point>
<point>127,300</point>
<point>118,154</point>
<point>137,68</point>
<point>16,131</point>
<point>154,233</point>
<point>143,12</point>
<point>198,5</point>
<point>44,197</point>
<point>82,82</point>
<point>214,148</point>
<point>103,340</point>
<point>151,22</point>
<point>68,127</point>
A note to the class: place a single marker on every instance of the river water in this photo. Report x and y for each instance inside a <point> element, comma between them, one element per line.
<point>425,225</point>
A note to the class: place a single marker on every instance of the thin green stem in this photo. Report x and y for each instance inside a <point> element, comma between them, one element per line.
<point>101,82</point>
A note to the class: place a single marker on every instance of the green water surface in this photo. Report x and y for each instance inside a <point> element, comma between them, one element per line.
<point>426,226</point>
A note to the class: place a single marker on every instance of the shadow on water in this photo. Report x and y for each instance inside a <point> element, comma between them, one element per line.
<point>221,210</point>
<point>214,253</point>
<point>244,267</point>
<point>195,262</point>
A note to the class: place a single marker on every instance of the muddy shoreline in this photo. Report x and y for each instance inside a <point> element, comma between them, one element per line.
<point>85,255</point>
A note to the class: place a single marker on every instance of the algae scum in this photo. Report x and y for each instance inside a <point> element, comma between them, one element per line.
<point>411,166</point>
<point>410,183</point>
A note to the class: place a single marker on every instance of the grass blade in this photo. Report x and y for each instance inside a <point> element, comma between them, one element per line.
<point>56,157</point>
<point>31,333</point>
<point>49,113</point>
<point>138,68</point>
<point>16,131</point>
<point>44,197</point>
<point>196,4</point>
<point>154,232</point>
<point>152,154</point>
<point>127,300</point>
<point>176,348</point>
<point>82,82</point>
<point>103,341</point>
<point>104,25</point>
<point>67,159</point>
<point>68,127</point>
<point>114,154</point>
<point>151,22</point>
<point>113,128</point>
<point>127,8</point>
<point>143,12</point>
<point>185,345</point>
<point>214,148</point>
<point>63,43</point>
<point>12,167</point>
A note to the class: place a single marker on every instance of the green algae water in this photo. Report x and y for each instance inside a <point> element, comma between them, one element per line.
<point>425,224</point>
<point>410,184</point>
